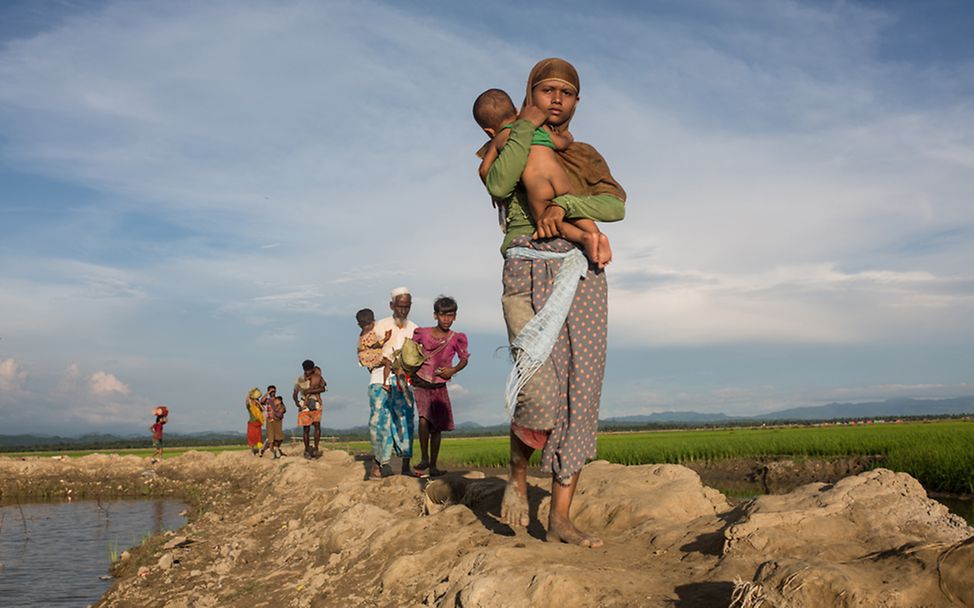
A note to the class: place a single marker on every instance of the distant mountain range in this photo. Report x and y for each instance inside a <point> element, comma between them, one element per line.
<point>831,411</point>
<point>891,408</point>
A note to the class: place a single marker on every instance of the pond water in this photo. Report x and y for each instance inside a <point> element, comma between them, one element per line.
<point>57,553</point>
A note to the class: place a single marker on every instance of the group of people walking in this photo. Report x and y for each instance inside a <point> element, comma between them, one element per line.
<point>400,389</point>
<point>269,409</point>
<point>550,191</point>
<point>397,391</point>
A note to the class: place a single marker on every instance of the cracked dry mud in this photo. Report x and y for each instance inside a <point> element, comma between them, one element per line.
<point>298,533</point>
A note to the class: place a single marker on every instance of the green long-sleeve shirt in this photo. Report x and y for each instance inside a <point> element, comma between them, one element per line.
<point>504,184</point>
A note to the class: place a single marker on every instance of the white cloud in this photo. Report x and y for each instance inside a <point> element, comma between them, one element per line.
<point>13,376</point>
<point>103,383</point>
<point>793,190</point>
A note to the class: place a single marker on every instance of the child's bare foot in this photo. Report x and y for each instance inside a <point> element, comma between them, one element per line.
<point>563,530</point>
<point>590,243</point>
<point>605,251</point>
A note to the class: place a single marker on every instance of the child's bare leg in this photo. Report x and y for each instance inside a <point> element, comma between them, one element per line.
<point>424,440</point>
<point>436,438</point>
<point>514,505</point>
<point>544,179</point>
<point>588,240</point>
<point>596,244</point>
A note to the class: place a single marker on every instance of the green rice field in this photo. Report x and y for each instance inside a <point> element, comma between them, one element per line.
<point>940,454</point>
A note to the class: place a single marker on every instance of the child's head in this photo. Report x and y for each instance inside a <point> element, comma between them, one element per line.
<point>279,400</point>
<point>365,319</point>
<point>492,110</point>
<point>445,312</point>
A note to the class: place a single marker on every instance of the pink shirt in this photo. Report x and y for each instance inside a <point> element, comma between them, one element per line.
<point>444,358</point>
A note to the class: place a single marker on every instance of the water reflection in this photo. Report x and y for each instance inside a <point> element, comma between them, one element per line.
<point>53,554</point>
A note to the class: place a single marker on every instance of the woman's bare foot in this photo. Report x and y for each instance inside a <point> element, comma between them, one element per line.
<point>514,506</point>
<point>563,530</point>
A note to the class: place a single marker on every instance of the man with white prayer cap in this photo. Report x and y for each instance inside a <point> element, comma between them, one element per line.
<point>391,401</point>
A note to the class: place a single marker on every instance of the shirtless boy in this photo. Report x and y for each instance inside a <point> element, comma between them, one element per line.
<point>543,177</point>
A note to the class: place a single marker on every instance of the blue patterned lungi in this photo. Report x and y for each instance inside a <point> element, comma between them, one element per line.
<point>391,422</point>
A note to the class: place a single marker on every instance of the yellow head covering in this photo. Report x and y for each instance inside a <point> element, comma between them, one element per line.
<point>553,69</point>
<point>585,167</point>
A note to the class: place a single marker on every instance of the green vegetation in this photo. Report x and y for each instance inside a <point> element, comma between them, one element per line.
<point>113,552</point>
<point>939,454</point>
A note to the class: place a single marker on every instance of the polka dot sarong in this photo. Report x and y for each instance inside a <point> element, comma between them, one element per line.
<point>563,396</point>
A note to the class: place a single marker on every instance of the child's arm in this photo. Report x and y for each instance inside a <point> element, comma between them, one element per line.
<point>448,372</point>
<point>460,349</point>
<point>489,157</point>
<point>493,151</point>
<point>506,172</point>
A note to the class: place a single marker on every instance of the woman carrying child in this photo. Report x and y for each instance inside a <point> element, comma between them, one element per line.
<point>556,388</point>
<point>441,345</point>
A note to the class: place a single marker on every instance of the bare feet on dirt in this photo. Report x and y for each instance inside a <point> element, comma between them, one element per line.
<point>514,505</point>
<point>563,530</point>
<point>422,465</point>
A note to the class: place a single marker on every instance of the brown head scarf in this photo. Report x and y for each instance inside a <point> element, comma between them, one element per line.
<point>586,169</point>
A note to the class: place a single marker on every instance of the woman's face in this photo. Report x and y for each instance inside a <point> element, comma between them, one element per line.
<point>556,98</point>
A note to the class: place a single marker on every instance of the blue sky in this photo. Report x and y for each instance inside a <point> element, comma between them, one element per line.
<point>197,196</point>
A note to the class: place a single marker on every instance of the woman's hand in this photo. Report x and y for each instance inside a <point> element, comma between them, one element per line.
<point>549,222</point>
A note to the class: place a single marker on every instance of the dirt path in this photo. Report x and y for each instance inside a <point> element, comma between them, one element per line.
<point>300,533</point>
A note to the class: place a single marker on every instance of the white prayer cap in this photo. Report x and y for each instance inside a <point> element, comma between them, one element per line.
<point>399,291</point>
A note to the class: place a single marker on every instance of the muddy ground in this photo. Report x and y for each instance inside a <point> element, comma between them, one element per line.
<point>301,533</point>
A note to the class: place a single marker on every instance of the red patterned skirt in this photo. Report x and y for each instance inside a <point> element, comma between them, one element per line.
<point>434,405</point>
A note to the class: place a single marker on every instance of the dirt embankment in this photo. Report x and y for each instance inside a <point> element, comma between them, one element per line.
<point>296,533</point>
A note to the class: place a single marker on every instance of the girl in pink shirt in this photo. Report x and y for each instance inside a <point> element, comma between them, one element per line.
<point>441,345</point>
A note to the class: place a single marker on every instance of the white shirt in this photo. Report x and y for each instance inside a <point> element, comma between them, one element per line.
<point>399,335</point>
